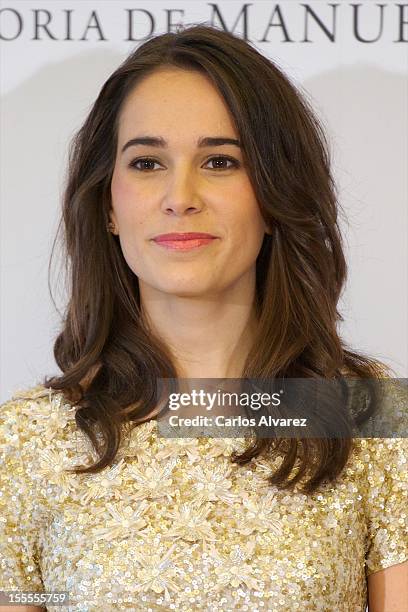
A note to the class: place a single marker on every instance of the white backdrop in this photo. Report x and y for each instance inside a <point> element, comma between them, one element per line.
<point>353,63</point>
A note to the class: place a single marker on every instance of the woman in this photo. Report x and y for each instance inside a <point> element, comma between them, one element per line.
<point>198,133</point>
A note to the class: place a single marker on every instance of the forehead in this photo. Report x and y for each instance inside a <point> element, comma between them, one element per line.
<point>175,101</point>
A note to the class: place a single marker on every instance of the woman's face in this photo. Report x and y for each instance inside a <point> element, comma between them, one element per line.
<point>179,186</point>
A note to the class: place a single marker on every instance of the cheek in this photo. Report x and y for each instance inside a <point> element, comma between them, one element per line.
<point>129,205</point>
<point>243,216</point>
<point>122,193</point>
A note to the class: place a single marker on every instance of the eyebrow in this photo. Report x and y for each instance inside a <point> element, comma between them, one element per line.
<point>157,141</point>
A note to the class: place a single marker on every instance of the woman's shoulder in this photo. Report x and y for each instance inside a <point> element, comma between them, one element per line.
<point>32,417</point>
<point>383,445</point>
<point>388,416</point>
<point>383,486</point>
<point>33,400</point>
<point>381,456</point>
<point>380,461</point>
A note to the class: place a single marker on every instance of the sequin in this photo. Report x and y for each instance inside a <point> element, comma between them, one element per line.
<point>173,524</point>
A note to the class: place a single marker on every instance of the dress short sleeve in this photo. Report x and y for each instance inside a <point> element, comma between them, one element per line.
<point>386,502</point>
<point>19,554</point>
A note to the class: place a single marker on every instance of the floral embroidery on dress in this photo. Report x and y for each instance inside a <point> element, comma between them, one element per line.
<point>153,483</point>
<point>258,514</point>
<point>212,483</point>
<point>123,522</point>
<point>157,572</point>
<point>175,447</point>
<point>137,443</point>
<point>234,569</point>
<point>52,466</point>
<point>103,483</point>
<point>189,522</point>
<point>225,446</point>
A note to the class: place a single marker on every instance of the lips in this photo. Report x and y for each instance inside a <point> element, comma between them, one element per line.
<point>182,236</point>
<point>184,241</point>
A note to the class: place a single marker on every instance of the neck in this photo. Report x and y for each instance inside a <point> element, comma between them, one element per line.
<point>209,337</point>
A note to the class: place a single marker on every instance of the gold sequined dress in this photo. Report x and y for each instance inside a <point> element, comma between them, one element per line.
<point>175,525</point>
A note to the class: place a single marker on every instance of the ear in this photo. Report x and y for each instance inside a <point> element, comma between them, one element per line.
<point>113,222</point>
<point>268,230</point>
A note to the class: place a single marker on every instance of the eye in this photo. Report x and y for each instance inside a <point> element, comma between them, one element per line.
<point>148,162</point>
<point>224,159</point>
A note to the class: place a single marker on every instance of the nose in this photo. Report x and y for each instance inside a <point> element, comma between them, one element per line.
<point>181,195</point>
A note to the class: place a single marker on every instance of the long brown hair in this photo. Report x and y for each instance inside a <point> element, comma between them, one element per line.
<point>110,361</point>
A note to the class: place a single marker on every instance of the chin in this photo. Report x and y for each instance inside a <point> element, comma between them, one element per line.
<point>187,286</point>
<point>184,290</point>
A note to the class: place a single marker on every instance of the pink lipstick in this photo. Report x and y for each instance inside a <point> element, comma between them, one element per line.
<point>184,241</point>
